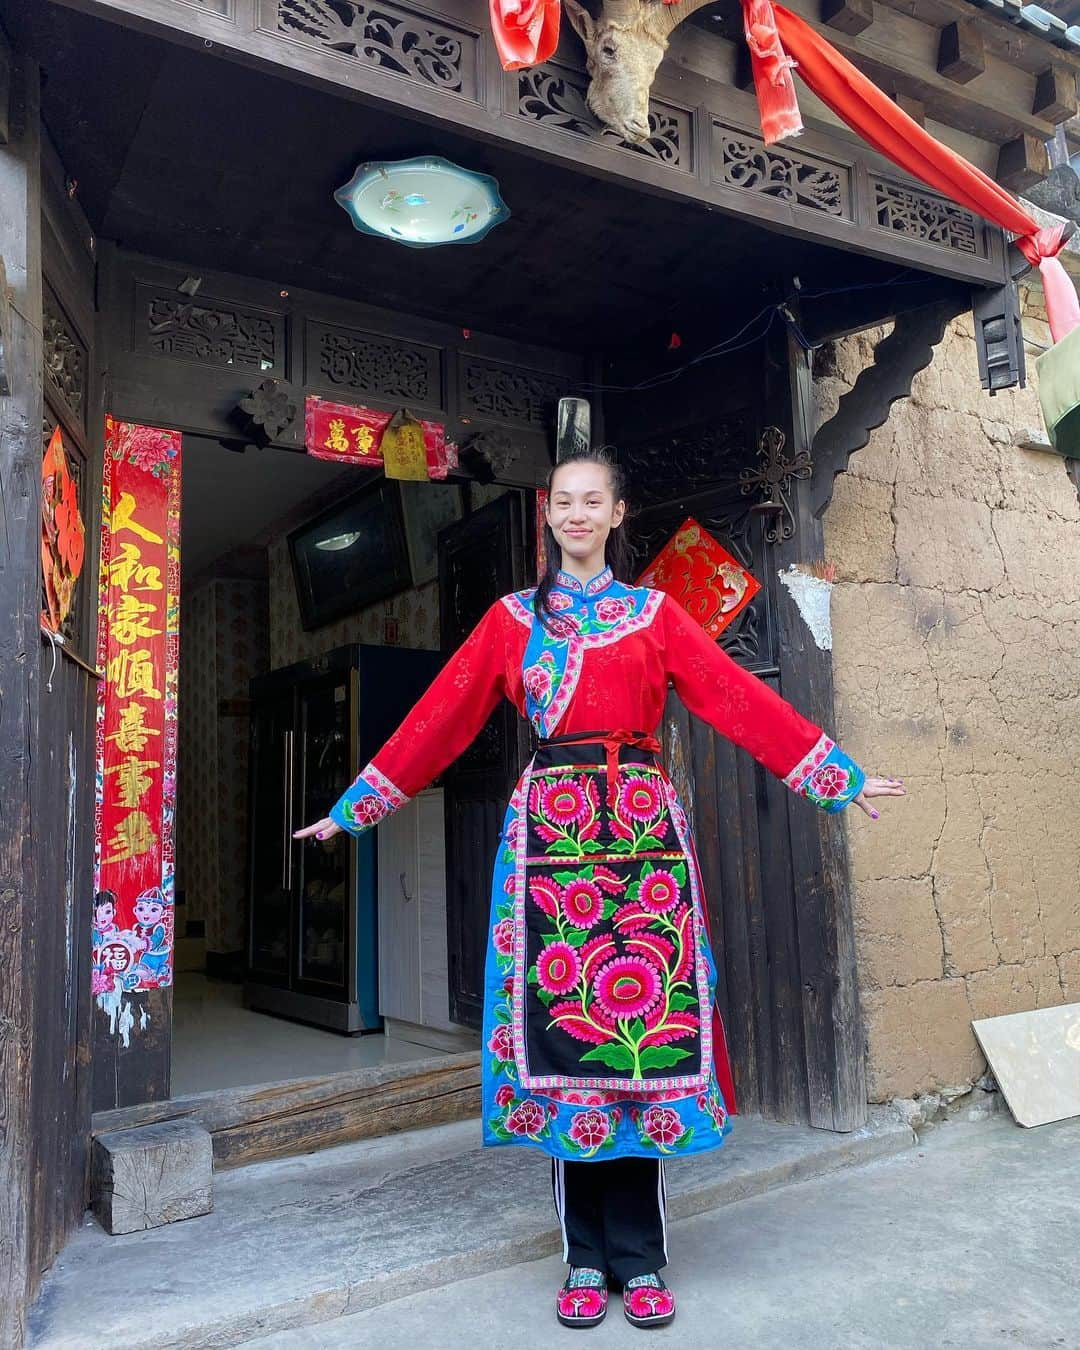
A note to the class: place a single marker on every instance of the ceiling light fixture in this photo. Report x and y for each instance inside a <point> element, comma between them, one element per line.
<point>422,202</point>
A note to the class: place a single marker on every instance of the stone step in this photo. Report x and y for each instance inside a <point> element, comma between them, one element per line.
<point>307,1240</point>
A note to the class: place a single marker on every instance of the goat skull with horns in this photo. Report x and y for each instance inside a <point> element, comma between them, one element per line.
<point>624,46</point>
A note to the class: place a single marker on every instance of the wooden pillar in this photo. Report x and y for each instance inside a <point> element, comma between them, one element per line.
<point>20,604</point>
<point>835,1067</point>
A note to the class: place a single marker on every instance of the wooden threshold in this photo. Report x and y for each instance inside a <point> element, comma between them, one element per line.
<point>276,1120</point>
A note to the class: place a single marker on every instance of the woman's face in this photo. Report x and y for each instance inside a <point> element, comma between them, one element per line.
<point>582,510</point>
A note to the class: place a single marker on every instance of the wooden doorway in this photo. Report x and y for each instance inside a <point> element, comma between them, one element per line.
<point>480,559</point>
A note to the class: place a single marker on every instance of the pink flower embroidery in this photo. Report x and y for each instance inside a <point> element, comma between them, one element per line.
<point>582,903</point>
<point>503,936</point>
<point>828,782</point>
<point>504,1096</point>
<point>557,600</point>
<point>368,810</point>
<point>612,610</point>
<point>501,1044</point>
<point>659,892</point>
<point>562,628</point>
<point>564,802</point>
<point>646,1302</point>
<point>537,681</point>
<point>546,894</point>
<point>663,1125</point>
<point>584,1302</point>
<point>558,968</point>
<point>528,1118</point>
<point>589,1129</point>
<point>627,986</point>
<point>639,800</point>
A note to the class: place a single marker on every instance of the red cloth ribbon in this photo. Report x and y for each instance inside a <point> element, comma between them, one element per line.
<point>526,32</point>
<point>779,41</point>
<point>612,741</point>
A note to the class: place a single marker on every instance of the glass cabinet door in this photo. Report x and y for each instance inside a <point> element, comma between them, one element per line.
<point>323,769</point>
<point>273,850</point>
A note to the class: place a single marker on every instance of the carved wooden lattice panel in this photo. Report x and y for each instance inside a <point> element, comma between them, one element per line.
<point>920,215</point>
<point>395,38</point>
<point>223,7</point>
<point>373,364</point>
<point>495,392</point>
<point>209,332</point>
<point>65,357</point>
<point>741,160</point>
<point>554,96</point>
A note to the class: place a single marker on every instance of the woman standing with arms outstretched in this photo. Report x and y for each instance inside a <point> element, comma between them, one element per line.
<point>602,1046</point>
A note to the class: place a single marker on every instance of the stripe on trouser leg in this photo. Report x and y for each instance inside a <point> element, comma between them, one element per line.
<point>661,1201</point>
<point>558,1194</point>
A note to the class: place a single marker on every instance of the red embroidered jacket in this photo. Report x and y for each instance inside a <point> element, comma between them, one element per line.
<point>603,663</point>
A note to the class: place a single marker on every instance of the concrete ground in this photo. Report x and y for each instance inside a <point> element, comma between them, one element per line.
<point>969,1240</point>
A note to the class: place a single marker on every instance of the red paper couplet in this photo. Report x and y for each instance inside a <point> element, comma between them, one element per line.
<point>138,650</point>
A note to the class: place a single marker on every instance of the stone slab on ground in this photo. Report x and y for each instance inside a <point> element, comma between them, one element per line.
<point>150,1176</point>
<point>965,1243</point>
<point>307,1240</point>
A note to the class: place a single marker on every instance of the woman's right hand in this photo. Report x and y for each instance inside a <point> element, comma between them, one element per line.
<point>322,829</point>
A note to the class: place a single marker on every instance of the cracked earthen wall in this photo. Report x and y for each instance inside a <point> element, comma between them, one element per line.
<point>956,651</point>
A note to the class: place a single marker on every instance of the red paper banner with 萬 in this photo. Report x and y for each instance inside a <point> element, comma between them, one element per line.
<point>138,647</point>
<point>353,435</point>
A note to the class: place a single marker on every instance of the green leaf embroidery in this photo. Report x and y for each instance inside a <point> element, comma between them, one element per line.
<point>505,911</point>
<point>610,906</point>
<point>593,846</point>
<point>567,1142</point>
<point>499,1132</point>
<point>636,1029</point>
<point>679,873</point>
<point>565,846</point>
<point>662,1056</point>
<point>501,1014</point>
<point>613,1055</point>
<point>533,976</point>
<point>685,1137</point>
<point>545,997</point>
<point>564,878</point>
<point>679,1001</point>
<point>650,842</point>
<point>633,890</point>
<point>577,937</point>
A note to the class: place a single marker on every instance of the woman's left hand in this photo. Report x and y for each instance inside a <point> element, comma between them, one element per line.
<point>879,787</point>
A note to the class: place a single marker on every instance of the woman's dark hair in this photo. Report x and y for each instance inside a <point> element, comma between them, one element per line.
<point>618,554</point>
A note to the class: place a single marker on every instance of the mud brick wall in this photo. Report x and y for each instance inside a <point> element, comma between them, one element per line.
<point>956,631</point>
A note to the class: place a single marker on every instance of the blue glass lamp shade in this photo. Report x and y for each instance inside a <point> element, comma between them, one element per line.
<point>422,202</point>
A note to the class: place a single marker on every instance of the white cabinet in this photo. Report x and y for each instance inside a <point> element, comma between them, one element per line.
<point>412,917</point>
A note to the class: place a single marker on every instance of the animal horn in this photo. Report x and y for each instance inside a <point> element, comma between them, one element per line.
<point>667,17</point>
<point>624,12</point>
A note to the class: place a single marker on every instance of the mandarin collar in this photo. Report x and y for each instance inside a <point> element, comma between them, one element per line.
<point>588,589</point>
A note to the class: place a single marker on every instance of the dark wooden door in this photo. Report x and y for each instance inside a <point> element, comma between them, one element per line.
<point>480,559</point>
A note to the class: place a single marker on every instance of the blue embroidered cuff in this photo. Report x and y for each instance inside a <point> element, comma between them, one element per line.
<point>826,776</point>
<point>372,797</point>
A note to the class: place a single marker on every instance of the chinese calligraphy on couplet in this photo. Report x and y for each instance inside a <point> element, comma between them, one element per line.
<point>136,731</point>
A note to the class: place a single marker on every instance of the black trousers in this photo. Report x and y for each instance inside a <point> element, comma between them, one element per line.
<point>613,1214</point>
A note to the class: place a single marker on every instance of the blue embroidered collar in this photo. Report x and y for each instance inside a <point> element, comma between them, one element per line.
<point>596,586</point>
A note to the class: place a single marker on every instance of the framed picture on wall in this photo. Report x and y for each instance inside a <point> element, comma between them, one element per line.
<point>351,556</point>
<point>429,508</point>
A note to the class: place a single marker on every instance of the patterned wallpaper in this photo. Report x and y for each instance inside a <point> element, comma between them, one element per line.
<point>223,643</point>
<point>410,619</point>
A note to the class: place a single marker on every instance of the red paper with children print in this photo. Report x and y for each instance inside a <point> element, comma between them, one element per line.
<point>138,649</point>
<point>353,435</point>
<point>711,585</point>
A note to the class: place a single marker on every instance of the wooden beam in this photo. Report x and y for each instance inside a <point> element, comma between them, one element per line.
<point>1024,50</point>
<point>900,53</point>
<point>277,1120</point>
<point>961,54</point>
<point>1055,94</point>
<point>914,107</point>
<point>1022,163</point>
<point>847,16</point>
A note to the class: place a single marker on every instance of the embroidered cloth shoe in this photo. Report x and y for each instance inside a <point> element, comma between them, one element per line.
<point>582,1301</point>
<point>648,1302</point>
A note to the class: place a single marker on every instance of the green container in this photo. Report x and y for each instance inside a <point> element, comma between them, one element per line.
<point>1059,393</point>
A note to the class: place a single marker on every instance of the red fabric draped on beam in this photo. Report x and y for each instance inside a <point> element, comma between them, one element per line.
<point>778,39</point>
